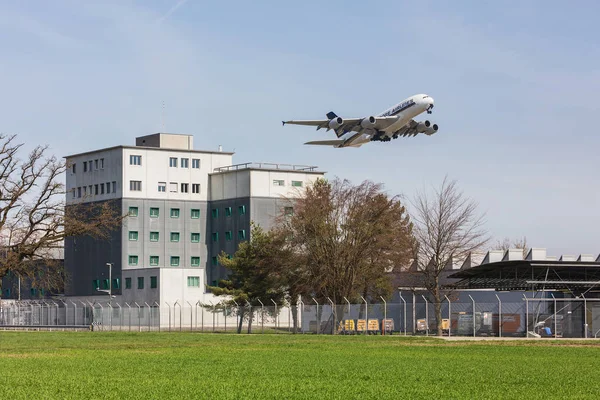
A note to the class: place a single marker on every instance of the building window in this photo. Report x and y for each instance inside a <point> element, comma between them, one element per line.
<point>228,235</point>
<point>133,211</point>
<point>173,187</point>
<point>185,187</point>
<point>154,212</point>
<point>89,190</point>
<point>195,213</point>
<point>74,168</point>
<point>215,236</point>
<point>74,193</point>
<point>32,292</point>
<point>79,192</point>
<point>242,210</point>
<point>127,283</point>
<point>195,188</point>
<point>102,163</point>
<point>195,163</point>
<point>193,281</point>
<point>215,212</point>
<point>96,283</point>
<point>135,186</point>
<point>195,261</point>
<point>228,211</point>
<point>174,236</point>
<point>215,261</point>
<point>95,189</point>
<point>195,237</point>
<point>135,160</point>
<point>173,162</point>
<point>140,282</point>
<point>114,185</point>
<point>96,164</point>
<point>133,260</point>
<point>102,188</point>
<point>105,284</point>
<point>133,235</point>
<point>107,187</point>
<point>153,282</point>
<point>162,186</point>
<point>297,183</point>
<point>85,191</point>
<point>241,234</point>
<point>154,261</point>
<point>174,261</point>
<point>85,166</point>
<point>154,236</point>
<point>185,163</point>
<point>174,212</point>
<point>288,211</point>
<point>116,283</point>
<point>278,182</point>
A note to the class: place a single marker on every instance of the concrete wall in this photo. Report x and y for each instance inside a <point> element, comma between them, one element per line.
<point>111,172</point>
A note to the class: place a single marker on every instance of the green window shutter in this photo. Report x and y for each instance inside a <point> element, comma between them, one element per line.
<point>32,292</point>
<point>133,211</point>
<point>175,261</point>
<point>195,261</point>
<point>127,283</point>
<point>242,210</point>
<point>105,284</point>
<point>133,260</point>
<point>174,236</point>
<point>154,212</point>
<point>153,282</point>
<point>215,261</point>
<point>154,236</point>
<point>116,283</point>
<point>96,283</point>
<point>297,183</point>
<point>195,237</point>
<point>215,236</point>
<point>133,235</point>
<point>228,235</point>
<point>195,213</point>
<point>140,282</point>
<point>174,212</point>
<point>228,211</point>
<point>193,281</point>
<point>153,261</point>
<point>215,212</point>
<point>241,234</point>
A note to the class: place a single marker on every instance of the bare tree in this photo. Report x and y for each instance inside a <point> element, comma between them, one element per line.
<point>33,218</point>
<point>447,226</point>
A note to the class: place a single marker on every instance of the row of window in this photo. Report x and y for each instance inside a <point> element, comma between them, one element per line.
<point>174,237</point>
<point>192,281</point>
<point>32,292</point>
<point>89,165</point>
<point>195,213</point>
<point>229,235</point>
<point>174,187</point>
<point>173,161</point>
<point>229,211</point>
<point>154,261</point>
<point>94,190</point>
<point>281,182</point>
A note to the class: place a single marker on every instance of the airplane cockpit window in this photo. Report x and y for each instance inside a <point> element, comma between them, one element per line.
<point>425,97</point>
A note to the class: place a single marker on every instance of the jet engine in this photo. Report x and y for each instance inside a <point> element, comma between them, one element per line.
<point>368,123</point>
<point>423,126</point>
<point>336,123</point>
<point>431,130</point>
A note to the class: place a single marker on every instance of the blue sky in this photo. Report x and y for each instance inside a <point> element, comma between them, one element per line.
<point>516,87</point>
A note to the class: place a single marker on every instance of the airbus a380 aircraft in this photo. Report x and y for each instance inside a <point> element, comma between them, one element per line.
<point>390,124</point>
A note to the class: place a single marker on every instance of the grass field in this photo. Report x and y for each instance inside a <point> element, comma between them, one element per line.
<point>66,365</point>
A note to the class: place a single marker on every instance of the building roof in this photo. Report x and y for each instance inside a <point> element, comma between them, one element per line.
<point>273,167</point>
<point>150,148</point>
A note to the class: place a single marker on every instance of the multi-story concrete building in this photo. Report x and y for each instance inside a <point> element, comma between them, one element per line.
<point>184,207</point>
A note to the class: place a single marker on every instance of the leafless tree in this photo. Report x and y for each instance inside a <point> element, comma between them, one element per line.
<point>447,226</point>
<point>520,243</point>
<point>33,218</point>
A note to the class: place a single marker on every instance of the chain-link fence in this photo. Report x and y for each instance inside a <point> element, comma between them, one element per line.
<point>532,317</point>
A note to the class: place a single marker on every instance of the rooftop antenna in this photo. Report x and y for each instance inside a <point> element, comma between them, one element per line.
<point>162,118</point>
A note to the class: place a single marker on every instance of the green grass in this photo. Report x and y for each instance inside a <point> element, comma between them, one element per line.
<point>111,365</point>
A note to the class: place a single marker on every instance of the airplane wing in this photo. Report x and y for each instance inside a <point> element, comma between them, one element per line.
<point>348,124</point>
<point>413,128</point>
<point>333,143</point>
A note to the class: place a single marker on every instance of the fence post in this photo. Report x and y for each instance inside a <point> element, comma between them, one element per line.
<point>66,313</point>
<point>384,314</point>
<point>473,315</point>
<point>149,316</point>
<point>56,304</point>
<point>225,315</point>
<point>196,305</point>
<point>426,316</point>
<point>449,316</point>
<point>101,315</point>
<point>585,324</point>
<point>333,313</point>
<point>158,310</point>
<point>317,319</point>
<point>299,317</point>
<point>139,316</point>
<point>120,317</point>
<point>74,312</point>
<point>526,316</point>
<point>110,316</point>
<point>552,294</point>
<point>262,316</point>
<point>191,315</point>
<point>177,304</point>
<point>129,312</point>
<point>213,314</point>
<point>366,315</point>
<point>404,316</point>
<point>500,320</point>
<point>414,314</point>
<point>276,316</point>
<point>237,314</point>
<point>83,312</point>
<point>169,307</point>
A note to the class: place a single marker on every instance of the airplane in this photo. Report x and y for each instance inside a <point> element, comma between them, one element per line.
<point>394,122</point>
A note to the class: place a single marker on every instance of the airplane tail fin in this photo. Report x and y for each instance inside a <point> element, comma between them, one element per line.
<point>334,143</point>
<point>331,115</point>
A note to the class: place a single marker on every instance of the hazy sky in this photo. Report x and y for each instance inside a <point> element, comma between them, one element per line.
<point>515,84</point>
